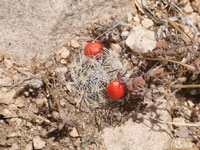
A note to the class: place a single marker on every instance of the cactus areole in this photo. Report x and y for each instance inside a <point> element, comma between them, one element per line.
<point>115,90</point>
<point>94,50</point>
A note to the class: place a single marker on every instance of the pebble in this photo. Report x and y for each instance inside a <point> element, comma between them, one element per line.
<point>64,53</point>
<point>14,146</point>
<point>41,101</point>
<point>195,5</point>
<point>8,63</point>
<point>38,143</point>
<point>129,17</point>
<point>74,132</point>
<point>7,113</point>
<point>29,146</point>
<point>17,121</point>
<point>147,23</point>
<point>63,61</point>
<point>124,33</point>
<point>141,40</point>
<point>6,81</point>
<point>74,43</point>
<point>19,102</point>
<point>115,47</point>
<point>188,8</point>
<point>136,18</point>
<point>184,132</point>
<point>7,98</point>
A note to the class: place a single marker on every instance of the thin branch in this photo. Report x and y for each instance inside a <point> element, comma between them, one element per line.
<point>51,91</point>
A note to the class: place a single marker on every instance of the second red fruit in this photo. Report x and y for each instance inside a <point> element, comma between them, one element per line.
<point>115,90</point>
<point>94,50</point>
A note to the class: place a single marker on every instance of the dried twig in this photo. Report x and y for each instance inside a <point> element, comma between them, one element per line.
<point>38,117</point>
<point>176,123</point>
<point>185,86</point>
<point>168,60</point>
<point>51,91</point>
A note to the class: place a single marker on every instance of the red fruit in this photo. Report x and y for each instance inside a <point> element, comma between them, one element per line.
<point>94,50</point>
<point>115,90</point>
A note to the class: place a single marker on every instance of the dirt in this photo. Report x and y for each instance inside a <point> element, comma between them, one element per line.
<point>52,96</point>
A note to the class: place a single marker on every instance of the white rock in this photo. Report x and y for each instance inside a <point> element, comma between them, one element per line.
<point>14,146</point>
<point>115,47</point>
<point>129,17</point>
<point>41,101</point>
<point>141,40</point>
<point>6,81</point>
<point>74,43</point>
<point>64,53</point>
<point>63,61</point>
<point>29,146</point>
<point>7,113</point>
<point>147,23</point>
<point>7,98</point>
<point>136,18</point>
<point>188,8</point>
<point>124,33</point>
<point>38,143</point>
<point>19,102</point>
<point>74,132</point>
<point>8,63</point>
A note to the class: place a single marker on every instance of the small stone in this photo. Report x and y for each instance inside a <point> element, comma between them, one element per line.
<point>136,18</point>
<point>29,146</point>
<point>17,121</point>
<point>55,115</point>
<point>63,61</point>
<point>124,33</point>
<point>74,43</point>
<point>183,132</point>
<point>19,102</point>
<point>141,40</point>
<point>41,101</point>
<point>7,98</point>
<point>129,17</point>
<point>195,5</point>
<point>8,63</point>
<point>115,47</point>
<point>64,53</point>
<point>188,8</point>
<point>38,143</point>
<point>14,146</point>
<point>74,132</point>
<point>62,70</point>
<point>147,23</point>
<point>6,81</point>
